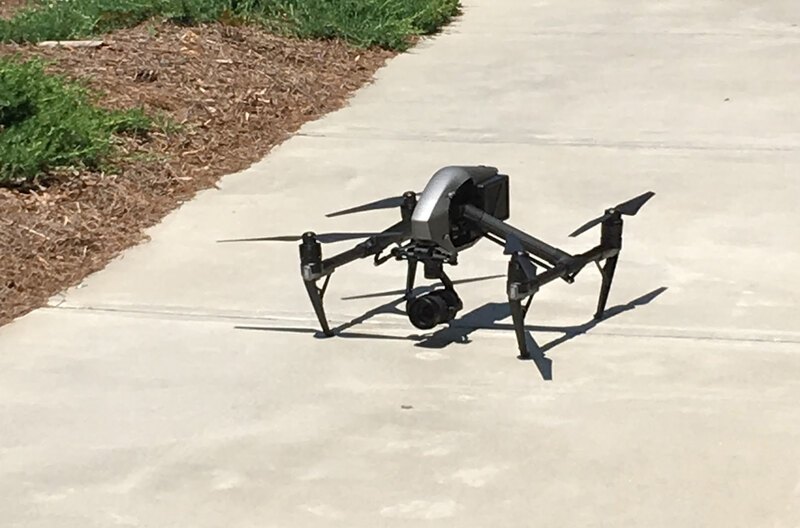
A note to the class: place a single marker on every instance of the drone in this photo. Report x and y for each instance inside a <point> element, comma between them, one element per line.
<point>459,206</point>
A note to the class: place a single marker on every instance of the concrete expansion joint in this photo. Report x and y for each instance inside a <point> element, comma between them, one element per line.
<point>304,321</point>
<point>578,142</point>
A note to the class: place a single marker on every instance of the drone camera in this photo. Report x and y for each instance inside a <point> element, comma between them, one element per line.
<point>434,308</point>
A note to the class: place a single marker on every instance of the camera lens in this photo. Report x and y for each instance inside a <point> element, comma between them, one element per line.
<point>434,308</point>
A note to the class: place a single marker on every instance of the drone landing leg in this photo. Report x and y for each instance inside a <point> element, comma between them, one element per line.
<point>412,274</point>
<point>611,238</point>
<point>521,284</point>
<point>607,271</point>
<point>316,295</point>
<point>518,313</point>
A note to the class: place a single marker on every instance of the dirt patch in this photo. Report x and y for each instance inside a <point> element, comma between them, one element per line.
<point>235,92</point>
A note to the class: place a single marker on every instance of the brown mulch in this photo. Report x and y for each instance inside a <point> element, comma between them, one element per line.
<point>235,92</point>
<point>9,7</point>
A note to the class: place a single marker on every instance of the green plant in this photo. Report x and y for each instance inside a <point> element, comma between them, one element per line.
<point>385,23</point>
<point>47,122</point>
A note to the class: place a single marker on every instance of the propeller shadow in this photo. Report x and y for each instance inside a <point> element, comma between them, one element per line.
<point>421,289</point>
<point>391,307</point>
<point>320,335</point>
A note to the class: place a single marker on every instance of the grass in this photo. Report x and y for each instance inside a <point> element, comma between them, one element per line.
<point>48,122</point>
<point>385,23</point>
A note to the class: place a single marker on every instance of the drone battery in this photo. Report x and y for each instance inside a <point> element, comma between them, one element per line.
<point>493,193</point>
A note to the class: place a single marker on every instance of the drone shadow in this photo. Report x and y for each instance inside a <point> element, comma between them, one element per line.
<point>486,317</point>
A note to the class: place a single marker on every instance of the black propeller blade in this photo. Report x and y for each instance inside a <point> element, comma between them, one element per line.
<point>514,247</point>
<point>632,206</point>
<point>629,208</point>
<point>324,238</point>
<point>385,203</point>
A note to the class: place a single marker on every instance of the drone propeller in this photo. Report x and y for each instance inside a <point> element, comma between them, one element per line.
<point>629,208</point>
<point>324,238</point>
<point>385,203</point>
<point>514,248</point>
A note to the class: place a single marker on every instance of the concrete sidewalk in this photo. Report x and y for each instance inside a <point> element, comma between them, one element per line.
<point>138,399</point>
